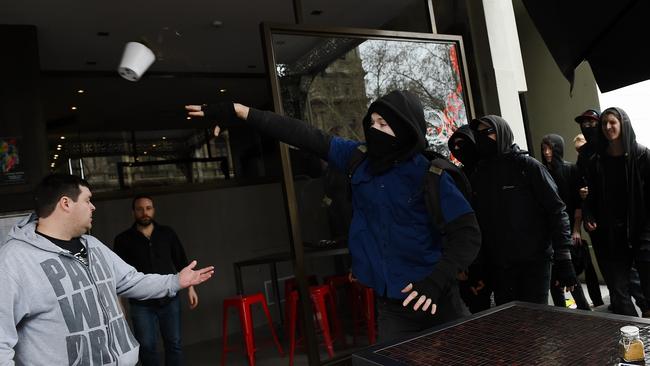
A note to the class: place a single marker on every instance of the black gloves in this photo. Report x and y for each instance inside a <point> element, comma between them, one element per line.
<point>564,273</point>
<point>432,287</point>
<point>222,113</point>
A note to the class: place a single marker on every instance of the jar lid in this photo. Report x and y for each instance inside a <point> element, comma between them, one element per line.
<point>630,331</point>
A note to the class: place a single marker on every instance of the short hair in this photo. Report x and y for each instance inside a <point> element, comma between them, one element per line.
<point>54,186</point>
<point>140,196</point>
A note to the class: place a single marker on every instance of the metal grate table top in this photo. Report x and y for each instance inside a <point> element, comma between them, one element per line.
<point>513,334</point>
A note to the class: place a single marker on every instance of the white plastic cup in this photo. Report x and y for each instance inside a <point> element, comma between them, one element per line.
<point>136,59</point>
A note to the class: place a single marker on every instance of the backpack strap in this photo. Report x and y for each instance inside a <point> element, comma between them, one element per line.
<point>357,157</point>
<point>432,188</point>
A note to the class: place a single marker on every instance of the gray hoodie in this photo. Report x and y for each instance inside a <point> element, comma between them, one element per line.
<point>54,310</point>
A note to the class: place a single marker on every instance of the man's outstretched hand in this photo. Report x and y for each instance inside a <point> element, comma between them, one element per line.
<point>188,276</point>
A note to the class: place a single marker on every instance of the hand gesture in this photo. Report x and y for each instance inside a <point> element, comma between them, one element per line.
<point>190,277</point>
<point>424,300</point>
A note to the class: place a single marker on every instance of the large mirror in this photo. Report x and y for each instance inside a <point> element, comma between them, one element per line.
<point>328,78</point>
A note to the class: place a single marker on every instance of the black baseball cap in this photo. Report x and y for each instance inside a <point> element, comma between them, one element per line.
<point>588,114</point>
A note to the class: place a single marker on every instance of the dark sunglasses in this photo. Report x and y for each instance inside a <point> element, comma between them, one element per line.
<point>487,131</point>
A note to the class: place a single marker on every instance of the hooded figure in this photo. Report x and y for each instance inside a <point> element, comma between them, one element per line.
<point>617,207</point>
<point>522,218</point>
<point>589,128</point>
<point>405,116</point>
<point>462,145</point>
<point>394,245</point>
<point>566,177</point>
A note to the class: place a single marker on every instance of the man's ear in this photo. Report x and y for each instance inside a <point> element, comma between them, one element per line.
<point>65,203</point>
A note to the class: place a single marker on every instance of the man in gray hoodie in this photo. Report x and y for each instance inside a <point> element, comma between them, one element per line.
<point>59,302</point>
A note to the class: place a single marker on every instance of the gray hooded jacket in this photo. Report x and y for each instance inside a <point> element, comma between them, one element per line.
<point>54,310</point>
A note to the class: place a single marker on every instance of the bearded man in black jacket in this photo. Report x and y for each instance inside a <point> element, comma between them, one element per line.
<point>522,218</point>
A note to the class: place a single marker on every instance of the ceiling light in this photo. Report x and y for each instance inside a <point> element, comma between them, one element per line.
<point>222,90</point>
<point>52,165</point>
<point>59,148</point>
<point>145,153</point>
<point>154,145</point>
<point>188,117</point>
<point>59,145</point>
<point>56,157</point>
<point>74,108</point>
<point>164,138</point>
<point>62,137</point>
<point>80,91</point>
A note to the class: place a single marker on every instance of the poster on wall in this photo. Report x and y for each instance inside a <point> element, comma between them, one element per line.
<point>11,171</point>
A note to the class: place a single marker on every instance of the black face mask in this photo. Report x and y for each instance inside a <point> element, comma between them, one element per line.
<point>486,146</point>
<point>380,144</point>
<point>466,153</point>
<point>590,133</point>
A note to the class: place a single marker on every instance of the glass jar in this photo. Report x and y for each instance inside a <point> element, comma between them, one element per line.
<point>630,345</point>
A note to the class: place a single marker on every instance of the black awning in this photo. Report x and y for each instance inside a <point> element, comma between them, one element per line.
<point>611,34</point>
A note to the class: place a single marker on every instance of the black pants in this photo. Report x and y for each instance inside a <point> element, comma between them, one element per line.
<point>396,321</point>
<point>557,294</point>
<point>527,281</point>
<point>593,285</point>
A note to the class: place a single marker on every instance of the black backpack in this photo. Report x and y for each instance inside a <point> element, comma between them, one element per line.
<point>431,184</point>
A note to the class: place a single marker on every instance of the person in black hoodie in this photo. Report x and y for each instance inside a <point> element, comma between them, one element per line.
<point>523,221</point>
<point>472,284</point>
<point>395,247</point>
<point>566,178</point>
<point>616,209</point>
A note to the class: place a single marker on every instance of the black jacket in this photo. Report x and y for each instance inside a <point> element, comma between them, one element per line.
<point>162,254</point>
<point>564,173</point>
<point>637,168</point>
<point>521,215</point>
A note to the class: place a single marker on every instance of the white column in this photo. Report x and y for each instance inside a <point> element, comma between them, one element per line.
<point>508,64</point>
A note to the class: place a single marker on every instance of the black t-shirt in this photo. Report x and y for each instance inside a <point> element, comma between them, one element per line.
<point>616,188</point>
<point>73,245</point>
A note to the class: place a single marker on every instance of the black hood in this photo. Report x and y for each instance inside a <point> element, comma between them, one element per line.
<point>556,142</point>
<point>628,137</point>
<point>408,109</point>
<point>505,138</point>
<point>469,155</point>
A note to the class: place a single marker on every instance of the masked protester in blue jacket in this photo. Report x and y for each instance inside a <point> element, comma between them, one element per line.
<point>395,247</point>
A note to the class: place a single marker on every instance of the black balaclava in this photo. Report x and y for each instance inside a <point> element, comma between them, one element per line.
<point>467,152</point>
<point>404,114</point>
<point>485,145</point>
<point>590,133</point>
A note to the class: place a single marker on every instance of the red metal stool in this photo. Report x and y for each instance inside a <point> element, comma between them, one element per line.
<point>243,305</point>
<point>321,297</point>
<point>364,307</point>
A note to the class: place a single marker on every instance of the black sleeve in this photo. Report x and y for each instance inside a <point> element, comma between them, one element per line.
<point>546,192</point>
<point>589,204</point>
<point>291,131</point>
<point>460,246</point>
<point>178,253</point>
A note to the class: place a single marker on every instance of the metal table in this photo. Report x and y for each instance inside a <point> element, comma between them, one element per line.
<point>272,260</point>
<point>516,333</point>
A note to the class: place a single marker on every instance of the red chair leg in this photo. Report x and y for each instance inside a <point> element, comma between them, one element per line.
<point>224,328</point>
<point>292,304</point>
<point>321,309</point>
<point>275,336</point>
<point>247,330</point>
<point>370,315</point>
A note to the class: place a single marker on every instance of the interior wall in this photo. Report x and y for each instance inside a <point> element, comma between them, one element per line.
<point>551,105</point>
<point>220,227</point>
<point>20,111</point>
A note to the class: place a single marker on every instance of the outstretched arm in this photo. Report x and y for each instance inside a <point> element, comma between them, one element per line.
<point>288,130</point>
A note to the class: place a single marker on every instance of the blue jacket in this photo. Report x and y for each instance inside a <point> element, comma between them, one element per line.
<point>392,238</point>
